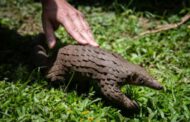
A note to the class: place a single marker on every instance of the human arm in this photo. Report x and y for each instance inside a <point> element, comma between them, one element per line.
<point>60,12</point>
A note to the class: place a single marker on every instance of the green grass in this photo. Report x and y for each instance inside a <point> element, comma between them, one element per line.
<point>26,96</point>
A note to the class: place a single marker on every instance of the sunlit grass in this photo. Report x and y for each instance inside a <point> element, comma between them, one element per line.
<point>26,96</point>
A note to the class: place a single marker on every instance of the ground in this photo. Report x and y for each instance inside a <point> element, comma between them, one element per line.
<point>26,96</point>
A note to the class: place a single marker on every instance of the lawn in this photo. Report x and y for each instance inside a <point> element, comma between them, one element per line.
<point>26,96</point>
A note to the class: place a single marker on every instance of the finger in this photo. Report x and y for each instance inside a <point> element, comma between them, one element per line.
<point>88,31</point>
<point>55,25</point>
<point>71,29</point>
<point>49,32</point>
<point>75,19</point>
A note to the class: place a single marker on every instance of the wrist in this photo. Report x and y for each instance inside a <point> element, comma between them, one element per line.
<point>45,1</point>
<point>53,3</point>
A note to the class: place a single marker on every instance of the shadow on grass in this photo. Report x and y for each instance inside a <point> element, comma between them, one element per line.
<point>15,50</point>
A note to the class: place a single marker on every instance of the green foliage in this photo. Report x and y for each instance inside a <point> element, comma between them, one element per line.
<point>26,96</point>
<point>23,102</point>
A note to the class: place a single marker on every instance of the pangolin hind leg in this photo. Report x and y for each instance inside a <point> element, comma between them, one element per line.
<point>56,72</point>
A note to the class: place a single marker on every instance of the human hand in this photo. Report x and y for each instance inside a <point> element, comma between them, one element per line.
<point>60,12</point>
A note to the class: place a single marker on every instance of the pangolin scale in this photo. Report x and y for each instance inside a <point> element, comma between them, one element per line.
<point>110,70</point>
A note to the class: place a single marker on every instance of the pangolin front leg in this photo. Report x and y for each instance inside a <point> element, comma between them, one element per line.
<point>113,93</point>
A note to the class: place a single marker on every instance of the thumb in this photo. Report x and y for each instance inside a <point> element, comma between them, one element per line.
<point>49,32</point>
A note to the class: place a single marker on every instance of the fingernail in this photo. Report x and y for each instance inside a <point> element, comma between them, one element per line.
<point>84,43</point>
<point>51,44</point>
<point>95,44</point>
